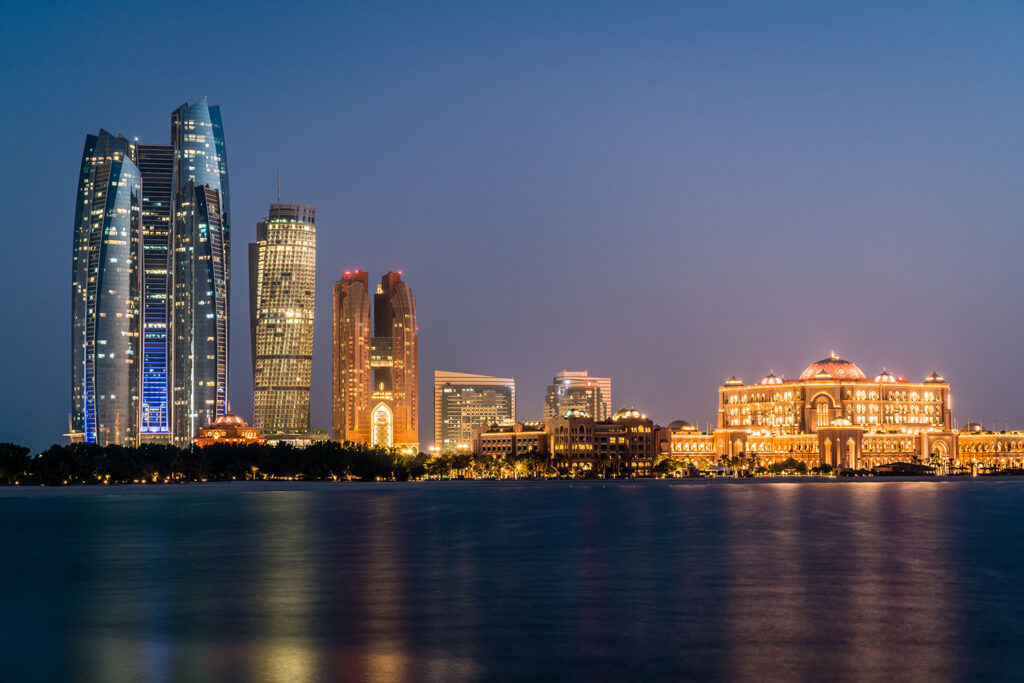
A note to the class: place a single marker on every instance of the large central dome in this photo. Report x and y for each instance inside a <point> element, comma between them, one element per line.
<point>836,367</point>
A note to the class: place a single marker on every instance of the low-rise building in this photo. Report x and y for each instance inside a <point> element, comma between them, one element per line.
<point>229,429</point>
<point>623,445</point>
<point>500,440</point>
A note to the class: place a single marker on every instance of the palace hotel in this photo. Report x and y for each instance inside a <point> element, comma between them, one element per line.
<point>834,414</point>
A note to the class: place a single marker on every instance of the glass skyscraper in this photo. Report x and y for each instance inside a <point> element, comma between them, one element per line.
<point>200,270</point>
<point>282,285</point>
<point>105,293</point>
<point>150,284</point>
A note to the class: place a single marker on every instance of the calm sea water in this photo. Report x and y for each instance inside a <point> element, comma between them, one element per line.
<point>915,580</point>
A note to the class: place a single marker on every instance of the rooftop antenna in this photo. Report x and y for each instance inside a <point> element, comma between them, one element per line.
<point>279,183</point>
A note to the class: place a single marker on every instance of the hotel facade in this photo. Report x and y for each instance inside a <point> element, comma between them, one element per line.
<point>375,375</point>
<point>833,414</point>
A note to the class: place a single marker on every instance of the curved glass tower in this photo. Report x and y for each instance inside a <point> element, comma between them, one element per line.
<point>105,287</point>
<point>201,270</point>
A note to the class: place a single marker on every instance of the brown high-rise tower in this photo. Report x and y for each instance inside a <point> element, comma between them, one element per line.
<point>375,378</point>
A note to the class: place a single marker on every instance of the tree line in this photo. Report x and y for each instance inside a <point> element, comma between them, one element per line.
<point>321,461</point>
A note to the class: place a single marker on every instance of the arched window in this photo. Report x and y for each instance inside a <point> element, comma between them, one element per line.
<point>382,431</point>
<point>821,417</point>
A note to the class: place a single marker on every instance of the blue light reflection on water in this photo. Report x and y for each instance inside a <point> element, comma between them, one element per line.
<point>462,580</point>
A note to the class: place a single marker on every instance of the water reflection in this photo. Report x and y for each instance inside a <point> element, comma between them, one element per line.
<point>481,581</point>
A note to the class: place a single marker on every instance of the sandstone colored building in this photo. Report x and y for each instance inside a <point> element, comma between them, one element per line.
<point>833,414</point>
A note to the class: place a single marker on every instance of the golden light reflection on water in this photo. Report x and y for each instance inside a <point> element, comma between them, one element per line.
<point>285,586</point>
<point>849,576</point>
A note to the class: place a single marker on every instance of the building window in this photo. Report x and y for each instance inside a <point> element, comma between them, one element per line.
<point>822,414</point>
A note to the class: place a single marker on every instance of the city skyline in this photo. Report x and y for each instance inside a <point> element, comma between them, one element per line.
<point>757,191</point>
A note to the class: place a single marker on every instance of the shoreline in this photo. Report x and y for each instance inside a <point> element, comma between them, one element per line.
<point>75,490</point>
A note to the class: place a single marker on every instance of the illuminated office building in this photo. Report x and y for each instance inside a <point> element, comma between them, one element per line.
<point>464,402</point>
<point>105,294</point>
<point>375,376</point>
<point>282,282</point>
<point>201,270</point>
<point>578,391</point>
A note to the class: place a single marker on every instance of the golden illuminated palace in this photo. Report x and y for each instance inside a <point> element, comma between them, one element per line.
<point>833,414</point>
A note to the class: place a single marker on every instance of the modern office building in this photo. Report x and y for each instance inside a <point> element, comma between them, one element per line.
<point>105,294</point>
<point>282,283</point>
<point>578,391</point>
<point>156,164</point>
<point>201,270</point>
<point>464,402</point>
<point>375,377</point>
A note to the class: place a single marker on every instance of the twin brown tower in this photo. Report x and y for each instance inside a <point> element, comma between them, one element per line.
<point>375,375</point>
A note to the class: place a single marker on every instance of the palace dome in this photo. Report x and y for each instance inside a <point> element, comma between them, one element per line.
<point>835,367</point>
<point>771,379</point>
<point>624,413</point>
<point>229,420</point>
<point>682,424</point>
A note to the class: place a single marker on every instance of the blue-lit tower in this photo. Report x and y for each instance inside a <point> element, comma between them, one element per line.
<point>105,294</point>
<point>156,163</point>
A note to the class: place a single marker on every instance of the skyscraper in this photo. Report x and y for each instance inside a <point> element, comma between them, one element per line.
<point>156,164</point>
<point>375,378</point>
<point>282,283</point>
<point>351,375</point>
<point>463,402</point>
<point>201,270</point>
<point>571,390</point>
<point>105,293</point>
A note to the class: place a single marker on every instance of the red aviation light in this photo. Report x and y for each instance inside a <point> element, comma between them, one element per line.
<point>348,273</point>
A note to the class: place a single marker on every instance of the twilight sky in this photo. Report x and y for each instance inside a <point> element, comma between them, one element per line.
<point>666,193</point>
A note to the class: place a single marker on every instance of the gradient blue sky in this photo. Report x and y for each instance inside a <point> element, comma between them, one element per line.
<point>665,193</point>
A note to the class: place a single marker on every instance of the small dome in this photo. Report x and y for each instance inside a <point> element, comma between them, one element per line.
<point>575,412</point>
<point>841,422</point>
<point>682,425</point>
<point>624,413</point>
<point>771,379</point>
<point>733,381</point>
<point>972,427</point>
<point>229,420</point>
<point>934,377</point>
<point>885,377</point>
<point>832,367</point>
